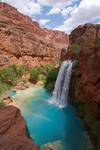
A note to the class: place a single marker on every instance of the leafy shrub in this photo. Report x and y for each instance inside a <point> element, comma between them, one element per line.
<point>51,78</point>
<point>34,74</point>
<point>11,73</point>
<point>8,75</point>
<point>42,77</point>
<point>76,48</point>
<point>21,70</point>
<point>47,68</point>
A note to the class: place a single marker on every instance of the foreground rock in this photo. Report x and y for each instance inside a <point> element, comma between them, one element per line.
<point>57,145</point>
<point>13,133</point>
<point>24,42</point>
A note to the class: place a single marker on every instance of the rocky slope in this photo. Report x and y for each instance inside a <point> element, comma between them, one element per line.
<point>24,42</point>
<point>13,133</point>
<point>84,47</point>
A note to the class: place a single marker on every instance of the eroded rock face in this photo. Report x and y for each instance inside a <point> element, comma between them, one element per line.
<point>88,69</point>
<point>13,134</point>
<point>24,42</point>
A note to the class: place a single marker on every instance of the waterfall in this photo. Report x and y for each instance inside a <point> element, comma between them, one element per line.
<point>61,90</point>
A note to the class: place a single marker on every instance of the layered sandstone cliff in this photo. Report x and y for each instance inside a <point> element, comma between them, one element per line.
<point>13,133</point>
<point>24,42</point>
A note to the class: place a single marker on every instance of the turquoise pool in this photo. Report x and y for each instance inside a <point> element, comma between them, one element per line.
<point>47,123</point>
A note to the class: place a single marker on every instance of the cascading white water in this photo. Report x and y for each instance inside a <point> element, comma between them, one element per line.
<point>61,90</point>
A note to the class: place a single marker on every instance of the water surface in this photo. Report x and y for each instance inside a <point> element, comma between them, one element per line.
<point>47,123</point>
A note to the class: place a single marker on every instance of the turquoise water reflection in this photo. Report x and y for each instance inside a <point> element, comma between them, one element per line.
<point>47,123</point>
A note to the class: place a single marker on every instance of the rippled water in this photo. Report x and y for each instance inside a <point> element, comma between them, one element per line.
<point>47,123</point>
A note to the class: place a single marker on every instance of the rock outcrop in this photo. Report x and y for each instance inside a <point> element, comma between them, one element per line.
<point>13,133</point>
<point>22,41</point>
<point>84,47</point>
<point>86,39</point>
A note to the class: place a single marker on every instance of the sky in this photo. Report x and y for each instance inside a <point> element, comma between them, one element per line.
<point>62,15</point>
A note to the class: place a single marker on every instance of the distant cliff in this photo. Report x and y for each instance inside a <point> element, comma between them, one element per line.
<point>22,41</point>
<point>84,47</point>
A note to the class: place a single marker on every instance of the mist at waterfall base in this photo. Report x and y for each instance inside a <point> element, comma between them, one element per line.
<point>47,122</point>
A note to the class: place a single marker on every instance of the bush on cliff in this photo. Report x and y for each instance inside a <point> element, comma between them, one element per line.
<point>76,48</point>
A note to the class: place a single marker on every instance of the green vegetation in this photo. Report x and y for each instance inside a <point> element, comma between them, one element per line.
<point>51,78</point>
<point>76,48</point>
<point>97,40</point>
<point>1,103</point>
<point>9,77</point>
<point>11,74</point>
<point>47,74</point>
<point>34,74</point>
<point>21,70</point>
<point>4,87</point>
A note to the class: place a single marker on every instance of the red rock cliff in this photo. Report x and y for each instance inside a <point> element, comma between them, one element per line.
<point>24,42</point>
<point>87,39</point>
<point>85,85</point>
<point>13,133</point>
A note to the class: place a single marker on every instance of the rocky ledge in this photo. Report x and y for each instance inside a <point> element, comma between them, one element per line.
<point>13,132</point>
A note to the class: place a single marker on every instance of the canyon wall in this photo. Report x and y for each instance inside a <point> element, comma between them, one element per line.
<point>84,48</point>
<point>22,41</point>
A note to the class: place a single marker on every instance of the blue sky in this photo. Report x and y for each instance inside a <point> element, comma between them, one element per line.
<point>63,15</point>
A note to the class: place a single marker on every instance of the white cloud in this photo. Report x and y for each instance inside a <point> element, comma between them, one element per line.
<point>57,3</point>
<point>66,11</point>
<point>43,22</point>
<point>87,11</point>
<point>27,7</point>
<point>54,10</point>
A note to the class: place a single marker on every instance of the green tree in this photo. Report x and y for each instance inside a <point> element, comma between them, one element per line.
<point>34,74</point>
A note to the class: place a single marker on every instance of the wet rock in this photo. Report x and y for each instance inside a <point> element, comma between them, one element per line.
<point>57,145</point>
